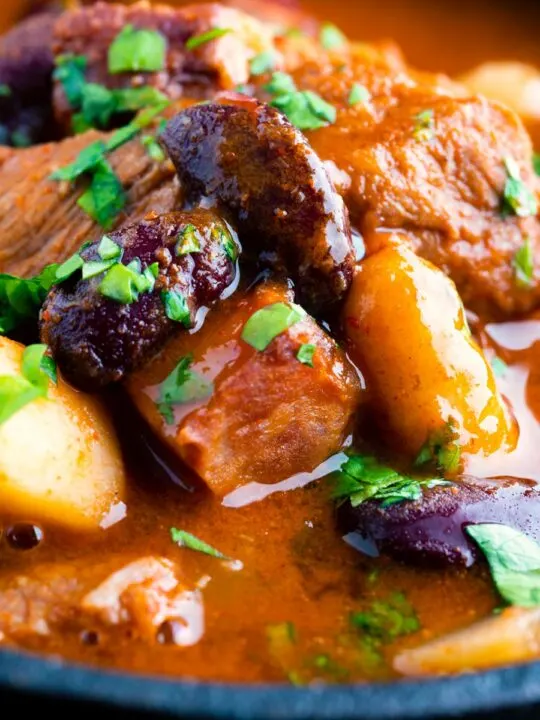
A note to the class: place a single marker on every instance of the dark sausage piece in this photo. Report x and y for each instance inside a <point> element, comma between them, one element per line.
<point>250,160</point>
<point>96,340</point>
<point>430,531</point>
<point>26,66</point>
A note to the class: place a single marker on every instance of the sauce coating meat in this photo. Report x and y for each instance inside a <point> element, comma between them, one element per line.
<point>269,337</point>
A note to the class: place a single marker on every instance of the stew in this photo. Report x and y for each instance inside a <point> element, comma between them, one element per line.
<point>269,344</point>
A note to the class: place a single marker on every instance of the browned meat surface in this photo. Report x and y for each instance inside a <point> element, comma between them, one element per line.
<point>218,64</point>
<point>443,187</point>
<point>96,338</point>
<point>26,64</point>
<point>40,221</point>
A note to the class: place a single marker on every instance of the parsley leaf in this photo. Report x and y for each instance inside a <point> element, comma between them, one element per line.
<point>263,63</point>
<point>108,249</point>
<point>269,322</point>
<point>176,307</point>
<point>363,477</point>
<point>536,163</point>
<point>518,199</point>
<point>38,367</point>
<point>70,72</point>
<point>305,354</point>
<point>105,198</point>
<point>198,40</point>
<point>153,148</point>
<point>5,90</point>
<point>280,84</point>
<point>424,126</point>
<point>187,540</point>
<point>386,621</point>
<point>188,242</point>
<point>69,268</point>
<point>331,37</point>
<point>514,562</point>
<point>137,50</point>
<point>441,449</point>
<point>85,161</point>
<point>305,109</point>
<point>182,385</point>
<point>523,264</point>
<point>16,391</point>
<point>359,94</point>
<point>21,299</point>
<point>227,242</point>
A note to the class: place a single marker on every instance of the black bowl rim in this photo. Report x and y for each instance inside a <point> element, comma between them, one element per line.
<point>497,690</point>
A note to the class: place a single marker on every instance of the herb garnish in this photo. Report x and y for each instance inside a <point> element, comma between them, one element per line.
<point>523,264</point>
<point>441,449</point>
<point>181,386</point>
<point>305,354</point>
<point>304,109</point>
<point>359,94</point>
<point>269,322</point>
<point>198,40</point>
<point>176,307</point>
<point>518,198</point>
<point>104,198</point>
<point>498,366</point>
<point>386,621</point>
<point>331,37</point>
<point>5,90</point>
<point>153,148</point>
<point>536,163</point>
<point>514,562</point>
<point>16,391</point>
<point>263,62</point>
<point>187,540</point>
<point>424,126</point>
<point>227,242</point>
<point>137,50</point>
<point>363,477</point>
<point>21,299</point>
<point>70,72</point>
<point>188,242</point>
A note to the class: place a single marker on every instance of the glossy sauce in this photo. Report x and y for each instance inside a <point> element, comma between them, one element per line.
<point>295,566</point>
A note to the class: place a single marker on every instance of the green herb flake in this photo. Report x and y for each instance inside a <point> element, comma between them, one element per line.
<point>92,268</point>
<point>441,449</point>
<point>363,477</point>
<point>518,198</point>
<point>176,307</point>
<point>305,109</point>
<point>108,249</point>
<point>119,285</point>
<point>137,50</point>
<point>187,540</point>
<point>224,237</point>
<point>305,354</point>
<point>70,72</point>
<point>153,148</point>
<point>5,90</point>
<point>188,242</point>
<point>205,37</point>
<point>263,62</point>
<point>514,562</point>
<point>523,264</point>
<point>359,94</point>
<point>21,299</point>
<point>16,391</point>
<point>69,268</point>
<point>182,385</point>
<point>105,198</point>
<point>424,126</point>
<point>536,163</point>
<point>38,367</point>
<point>280,84</point>
<point>331,37</point>
<point>386,621</point>
<point>269,322</point>
<point>86,160</point>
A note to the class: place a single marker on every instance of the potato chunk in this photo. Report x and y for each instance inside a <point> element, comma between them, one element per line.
<point>59,457</point>
<point>407,331</point>
<point>268,415</point>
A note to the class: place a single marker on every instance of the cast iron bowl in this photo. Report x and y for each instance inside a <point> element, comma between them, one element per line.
<point>36,684</point>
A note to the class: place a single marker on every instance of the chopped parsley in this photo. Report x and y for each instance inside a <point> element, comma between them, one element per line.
<point>104,198</point>
<point>176,307</point>
<point>523,264</point>
<point>441,449</point>
<point>359,94</point>
<point>187,540</point>
<point>183,385</point>
<point>331,37</point>
<point>263,62</point>
<point>223,236</point>
<point>304,109</point>
<point>205,37</point>
<point>68,268</point>
<point>124,283</point>
<point>153,148</point>
<point>424,126</point>
<point>5,90</point>
<point>108,249</point>
<point>188,242</point>
<point>70,71</point>
<point>16,391</point>
<point>514,562</point>
<point>21,299</point>
<point>518,198</point>
<point>363,477</point>
<point>269,322</point>
<point>137,50</point>
<point>305,354</point>
<point>386,621</point>
<point>536,163</point>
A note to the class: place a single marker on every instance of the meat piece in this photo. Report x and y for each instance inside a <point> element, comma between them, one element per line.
<point>240,429</point>
<point>430,531</point>
<point>26,65</point>
<point>97,338</point>
<point>40,221</point>
<point>508,638</point>
<point>146,594</point>
<point>220,63</point>
<point>427,377</point>
<point>251,162</point>
<point>442,186</point>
